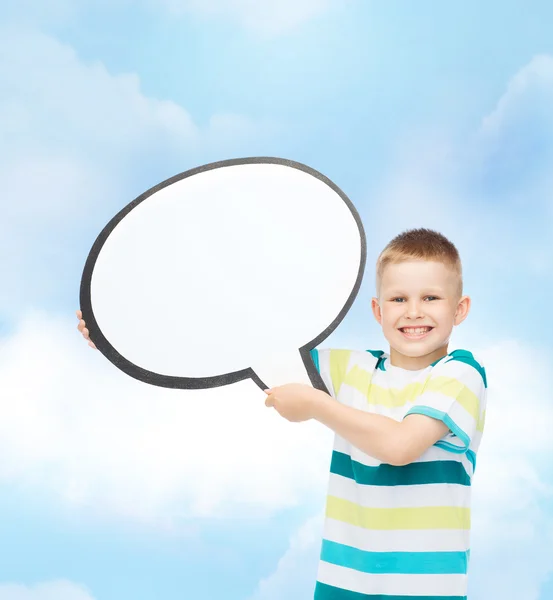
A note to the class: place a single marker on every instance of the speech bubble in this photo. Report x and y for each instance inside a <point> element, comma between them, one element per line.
<point>232,270</point>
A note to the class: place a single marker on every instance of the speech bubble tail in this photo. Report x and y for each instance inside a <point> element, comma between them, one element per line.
<point>281,368</point>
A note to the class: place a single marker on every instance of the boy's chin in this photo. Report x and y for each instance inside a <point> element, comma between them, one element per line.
<point>411,352</point>
<point>414,349</point>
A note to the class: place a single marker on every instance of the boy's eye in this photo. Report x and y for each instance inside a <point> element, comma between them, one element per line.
<point>428,298</point>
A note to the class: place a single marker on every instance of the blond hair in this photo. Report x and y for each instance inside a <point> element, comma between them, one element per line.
<point>420,244</point>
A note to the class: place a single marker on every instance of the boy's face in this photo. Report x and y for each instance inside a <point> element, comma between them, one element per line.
<point>418,306</point>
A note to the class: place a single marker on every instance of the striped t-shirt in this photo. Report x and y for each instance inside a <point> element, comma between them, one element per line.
<point>401,533</point>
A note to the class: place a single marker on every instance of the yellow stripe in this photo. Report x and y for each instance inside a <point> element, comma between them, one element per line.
<point>395,397</point>
<point>427,517</point>
<point>361,380</point>
<point>481,422</point>
<point>339,362</point>
<point>455,389</point>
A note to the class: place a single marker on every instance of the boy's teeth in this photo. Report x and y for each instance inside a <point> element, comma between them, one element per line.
<point>416,330</point>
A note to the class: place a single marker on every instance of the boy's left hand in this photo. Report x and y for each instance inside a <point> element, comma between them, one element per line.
<point>295,402</point>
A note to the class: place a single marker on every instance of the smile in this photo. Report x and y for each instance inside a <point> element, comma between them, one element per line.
<point>415,333</point>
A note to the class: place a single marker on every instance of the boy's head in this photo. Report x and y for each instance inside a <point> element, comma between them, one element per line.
<point>419,299</point>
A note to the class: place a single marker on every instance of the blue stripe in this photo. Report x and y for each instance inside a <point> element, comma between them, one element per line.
<point>467,357</point>
<point>379,355</point>
<point>471,455</point>
<point>409,563</point>
<point>445,418</point>
<point>437,361</point>
<point>376,353</point>
<point>315,357</point>
<point>417,473</point>
<point>329,592</point>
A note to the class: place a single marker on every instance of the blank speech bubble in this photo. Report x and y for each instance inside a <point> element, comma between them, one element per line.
<point>233,270</point>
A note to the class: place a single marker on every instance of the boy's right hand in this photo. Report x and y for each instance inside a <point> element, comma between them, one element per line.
<point>82,328</point>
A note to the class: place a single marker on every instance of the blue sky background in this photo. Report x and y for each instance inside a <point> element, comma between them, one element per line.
<point>425,114</point>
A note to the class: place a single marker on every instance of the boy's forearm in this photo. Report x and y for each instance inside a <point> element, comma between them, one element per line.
<point>376,435</point>
<point>394,442</point>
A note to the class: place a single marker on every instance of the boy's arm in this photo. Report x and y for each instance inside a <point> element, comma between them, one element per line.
<point>454,401</point>
<point>392,442</point>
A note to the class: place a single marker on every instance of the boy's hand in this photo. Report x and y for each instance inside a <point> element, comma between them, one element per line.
<point>295,402</point>
<point>82,328</point>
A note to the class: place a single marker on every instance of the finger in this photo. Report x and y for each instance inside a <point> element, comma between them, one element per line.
<point>86,333</point>
<point>81,325</point>
<point>269,402</point>
<point>79,314</point>
<point>268,392</point>
<point>92,345</point>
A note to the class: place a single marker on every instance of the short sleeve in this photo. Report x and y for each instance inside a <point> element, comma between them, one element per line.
<point>332,366</point>
<point>455,393</point>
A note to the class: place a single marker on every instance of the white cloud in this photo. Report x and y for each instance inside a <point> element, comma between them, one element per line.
<point>262,16</point>
<point>513,155</point>
<point>80,429</point>
<point>59,99</point>
<point>491,191</point>
<point>295,573</point>
<point>513,487</point>
<point>54,13</point>
<point>77,143</point>
<point>529,94</point>
<point>53,590</point>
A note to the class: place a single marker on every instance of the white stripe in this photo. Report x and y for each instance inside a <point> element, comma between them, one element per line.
<point>432,454</point>
<point>353,397</point>
<point>343,446</point>
<point>396,540</point>
<point>435,453</point>
<point>462,418</point>
<point>449,406</point>
<point>363,360</point>
<point>397,378</point>
<point>392,584</point>
<point>402,496</point>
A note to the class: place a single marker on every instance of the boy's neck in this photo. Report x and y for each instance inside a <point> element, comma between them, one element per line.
<point>416,363</point>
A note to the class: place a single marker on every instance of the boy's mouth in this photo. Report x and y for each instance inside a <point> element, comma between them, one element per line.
<point>415,333</point>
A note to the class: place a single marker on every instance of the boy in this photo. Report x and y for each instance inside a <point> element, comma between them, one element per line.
<point>408,425</point>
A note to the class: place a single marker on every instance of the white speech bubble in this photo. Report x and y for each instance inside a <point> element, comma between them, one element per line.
<point>232,270</point>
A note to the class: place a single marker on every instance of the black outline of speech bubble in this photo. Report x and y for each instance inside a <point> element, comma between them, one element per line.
<point>196,383</point>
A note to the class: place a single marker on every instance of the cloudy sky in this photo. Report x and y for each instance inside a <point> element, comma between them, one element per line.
<point>425,114</point>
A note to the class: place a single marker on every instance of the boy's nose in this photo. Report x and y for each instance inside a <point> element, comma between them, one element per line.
<point>414,310</point>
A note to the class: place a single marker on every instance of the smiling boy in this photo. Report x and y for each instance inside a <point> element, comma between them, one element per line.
<point>408,424</point>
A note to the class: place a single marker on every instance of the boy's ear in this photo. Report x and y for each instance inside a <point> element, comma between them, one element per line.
<point>377,312</point>
<point>463,308</point>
